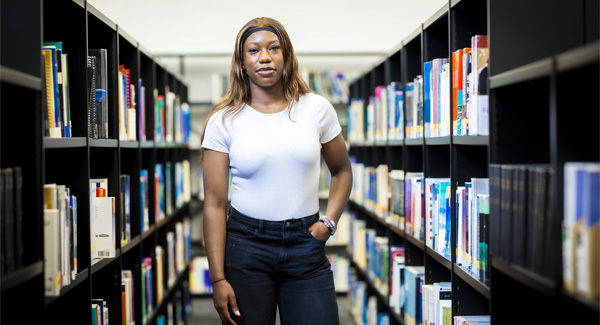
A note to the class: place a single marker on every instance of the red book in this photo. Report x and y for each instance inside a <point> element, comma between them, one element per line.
<point>456,87</point>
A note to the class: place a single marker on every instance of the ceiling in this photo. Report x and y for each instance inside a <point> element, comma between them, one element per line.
<point>348,35</point>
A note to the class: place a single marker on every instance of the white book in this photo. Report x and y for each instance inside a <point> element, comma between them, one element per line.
<point>442,298</point>
<point>483,115</point>
<point>179,247</point>
<point>131,124</point>
<point>52,276</point>
<point>94,184</point>
<point>159,274</point>
<point>104,220</point>
<point>426,294</point>
<point>460,248</point>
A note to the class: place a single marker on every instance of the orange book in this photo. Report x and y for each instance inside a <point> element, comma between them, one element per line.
<point>456,87</point>
<point>123,305</point>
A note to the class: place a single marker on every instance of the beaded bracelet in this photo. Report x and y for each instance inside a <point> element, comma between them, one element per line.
<point>329,223</point>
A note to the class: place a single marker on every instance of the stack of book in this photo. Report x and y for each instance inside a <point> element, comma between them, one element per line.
<point>60,238</point>
<point>57,102</point>
<point>470,105</point>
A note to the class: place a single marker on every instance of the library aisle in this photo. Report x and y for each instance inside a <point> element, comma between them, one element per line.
<point>203,312</point>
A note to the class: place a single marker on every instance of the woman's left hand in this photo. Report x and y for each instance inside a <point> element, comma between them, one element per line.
<point>319,231</point>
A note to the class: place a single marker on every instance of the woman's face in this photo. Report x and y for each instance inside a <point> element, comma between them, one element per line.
<point>263,59</point>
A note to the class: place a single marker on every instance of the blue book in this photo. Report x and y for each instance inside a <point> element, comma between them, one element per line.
<point>411,276</point>
<point>427,98</point>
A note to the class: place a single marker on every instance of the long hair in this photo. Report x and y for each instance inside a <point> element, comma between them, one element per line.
<point>239,91</point>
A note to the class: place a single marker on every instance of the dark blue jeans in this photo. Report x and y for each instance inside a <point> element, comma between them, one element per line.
<point>279,263</point>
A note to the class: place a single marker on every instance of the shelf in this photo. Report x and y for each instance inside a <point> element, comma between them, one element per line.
<point>395,143</point>
<point>471,140</point>
<point>52,143</point>
<point>435,18</point>
<point>129,144</point>
<point>396,316</point>
<point>380,143</point>
<point>80,277</point>
<point>413,142</point>
<point>532,71</point>
<point>126,36</point>
<point>370,283</point>
<point>104,143</point>
<point>166,295</point>
<point>201,295</point>
<point>133,243</point>
<point>437,141</point>
<point>101,16</point>
<point>148,232</point>
<point>19,78</point>
<point>525,277</point>
<point>396,230</point>
<point>576,299</point>
<point>413,36</point>
<point>20,276</point>
<point>147,144</point>
<point>100,263</point>
<point>415,241</point>
<point>483,289</point>
<point>337,249</point>
<point>439,258</point>
<point>578,58</point>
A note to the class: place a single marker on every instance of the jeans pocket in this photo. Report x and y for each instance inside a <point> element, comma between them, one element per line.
<point>308,234</point>
<point>240,230</point>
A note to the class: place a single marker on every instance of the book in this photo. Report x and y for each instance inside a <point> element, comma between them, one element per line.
<point>52,275</point>
<point>51,91</point>
<point>457,90</point>
<point>160,260</point>
<point>581,228</point>
<point>62,82</point>
<point>442,295</point>
<point>8,220</point>
<point>100,94</point>
<point>413,299</point>
<point>142,110</point>
<point>101,311</point>
<point>125,209</point>
<point>104,226</point>
<point>396,207</point>
<point>127,276</point>
<point>92,113</point>
<point>480,109</point>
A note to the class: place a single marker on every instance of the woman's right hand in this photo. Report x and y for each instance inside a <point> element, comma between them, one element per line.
<point>223,297</point>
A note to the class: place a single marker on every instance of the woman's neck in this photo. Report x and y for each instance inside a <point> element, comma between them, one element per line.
<point>268,100</point>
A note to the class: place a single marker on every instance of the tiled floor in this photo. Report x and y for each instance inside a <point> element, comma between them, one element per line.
<point>203,312</point>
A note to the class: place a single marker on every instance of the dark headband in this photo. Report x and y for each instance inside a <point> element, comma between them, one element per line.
<point>257,29</point>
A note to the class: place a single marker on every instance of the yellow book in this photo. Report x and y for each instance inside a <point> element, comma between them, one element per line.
<point>49,69</point>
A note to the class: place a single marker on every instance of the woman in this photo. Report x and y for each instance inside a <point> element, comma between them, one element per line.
<point>270,131</point>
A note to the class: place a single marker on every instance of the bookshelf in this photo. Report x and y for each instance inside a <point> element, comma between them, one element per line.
<point>539,73</point>
<point>73,161</point>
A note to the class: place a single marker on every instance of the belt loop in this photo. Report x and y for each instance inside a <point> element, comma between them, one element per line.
<point>304,226</point>
<point>260,224</point>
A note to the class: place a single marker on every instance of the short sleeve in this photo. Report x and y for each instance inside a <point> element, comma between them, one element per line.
<point>216,135</point>
<point>329,126</point>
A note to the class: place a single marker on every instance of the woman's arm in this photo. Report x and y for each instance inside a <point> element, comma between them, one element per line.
<point>216,177</point>
<point>336,157</point>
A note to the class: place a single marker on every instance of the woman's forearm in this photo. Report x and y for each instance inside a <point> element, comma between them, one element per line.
<point>215,230</point>
<point>339,191</point>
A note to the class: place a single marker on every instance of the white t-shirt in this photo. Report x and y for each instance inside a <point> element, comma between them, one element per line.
<point>275,160</point>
